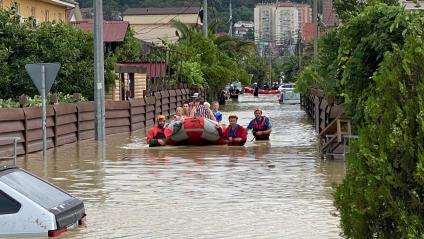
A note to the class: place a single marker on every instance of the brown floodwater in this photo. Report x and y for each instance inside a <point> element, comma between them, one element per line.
<point>279,189</point>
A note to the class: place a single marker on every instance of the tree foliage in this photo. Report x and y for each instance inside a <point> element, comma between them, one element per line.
<point>22,44</point>
<point>221,60</point>
<point>374,62</point>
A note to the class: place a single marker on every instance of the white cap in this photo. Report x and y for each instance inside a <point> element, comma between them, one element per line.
<point>195,95</point>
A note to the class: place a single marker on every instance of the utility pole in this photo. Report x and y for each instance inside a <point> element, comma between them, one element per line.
<point>99,93</point>
<point>299,36</point>
<point>205,18</point>
<point>231,20</point>
<point>315,26</point>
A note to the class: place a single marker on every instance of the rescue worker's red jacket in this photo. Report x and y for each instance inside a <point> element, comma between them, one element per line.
<point>240,132</point>
<point>155,133</point>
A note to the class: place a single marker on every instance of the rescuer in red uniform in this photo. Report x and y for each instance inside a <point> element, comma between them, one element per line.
<point>156,135</point>
<point>235,134</point>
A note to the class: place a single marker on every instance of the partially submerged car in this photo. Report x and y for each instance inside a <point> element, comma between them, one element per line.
<point>30,206</point>
<point>288,94</point>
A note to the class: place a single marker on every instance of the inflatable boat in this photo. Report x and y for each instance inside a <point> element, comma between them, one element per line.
<point>194,131</point>
<point>261,92</point>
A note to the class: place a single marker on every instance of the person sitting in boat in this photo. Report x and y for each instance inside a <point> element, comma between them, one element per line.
<point>260,126</point>
<point>200,110</point>
<point>186,109</point>
<point>216,112</point>
<point>235,134</point>
<point>156,135</point>
<point>179,114</point>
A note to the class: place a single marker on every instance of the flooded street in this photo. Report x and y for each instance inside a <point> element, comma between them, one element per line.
<point>278,189</point>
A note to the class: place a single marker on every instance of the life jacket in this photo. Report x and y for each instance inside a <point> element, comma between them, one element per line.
<point>160,134</point>
<point>260,127</point>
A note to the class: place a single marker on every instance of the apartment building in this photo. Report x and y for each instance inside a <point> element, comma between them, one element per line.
<point>264,19</point>
<point>44,10</point>
<point>281,24</point>
<point>329,15</point>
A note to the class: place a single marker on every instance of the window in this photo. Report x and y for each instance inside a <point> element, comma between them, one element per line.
<point>8,205</point>
<point>42,193</point>
<point>46,16</point>
<point>18,8</point>
<point>32,11</point>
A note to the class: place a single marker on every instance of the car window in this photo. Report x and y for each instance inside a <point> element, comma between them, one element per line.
<point>8,205</point>
<point>35,189</point>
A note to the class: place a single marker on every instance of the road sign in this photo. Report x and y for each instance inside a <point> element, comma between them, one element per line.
<point>43,76</point>
<point>35,72</point>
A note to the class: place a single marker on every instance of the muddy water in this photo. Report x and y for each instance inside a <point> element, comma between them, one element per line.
<point>263,190</point>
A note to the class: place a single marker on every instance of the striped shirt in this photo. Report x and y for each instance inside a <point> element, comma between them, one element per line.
<point>202,111</point>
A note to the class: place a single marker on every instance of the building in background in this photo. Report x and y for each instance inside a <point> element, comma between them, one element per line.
<point>410,5</point>
<point>281,26</point>
<point>44,10</point>
<point>329,15</point>
<point>244,29</point>
<point>263,19</point>
<point>286,24</point>
<point>155,24</point>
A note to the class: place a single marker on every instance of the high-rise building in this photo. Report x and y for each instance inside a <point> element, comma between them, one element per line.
<point>264,15</point>
<point>329,16</point>
<point>281,24</point>
<point>287,25</point>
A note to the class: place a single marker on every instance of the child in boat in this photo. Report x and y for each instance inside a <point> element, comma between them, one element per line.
<point>235,134</point>
<point>179,114</point>
<point>216,112</point>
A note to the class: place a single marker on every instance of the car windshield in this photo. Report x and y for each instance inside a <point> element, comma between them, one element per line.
<point>35,189</point>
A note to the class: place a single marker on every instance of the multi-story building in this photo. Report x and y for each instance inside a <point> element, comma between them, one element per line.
<point>410,5</point>
<point>264,19</point>
<point>242,28</point>
<point>155,24</point>
<point>281,24</point>
<point>329,15</point>
<point>287,25</point>
<point>44,10</point>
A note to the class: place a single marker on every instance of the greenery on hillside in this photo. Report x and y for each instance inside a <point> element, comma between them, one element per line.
<point>218,9</point>
<point>374,63</point>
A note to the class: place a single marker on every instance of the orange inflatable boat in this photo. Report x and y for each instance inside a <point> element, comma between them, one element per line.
<point>262,92</point>
<point>194,131</point>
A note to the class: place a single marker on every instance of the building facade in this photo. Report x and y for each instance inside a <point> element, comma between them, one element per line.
<point>329,15</point>
<point>155,24</point>
<point>287,25</point>
<point>242,29</point>
<point>410,5</point>
<point>43,10</point>
<point>281,25</point>
<point>264,19</point>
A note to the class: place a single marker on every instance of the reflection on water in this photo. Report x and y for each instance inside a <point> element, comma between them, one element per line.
<point>276,189</point>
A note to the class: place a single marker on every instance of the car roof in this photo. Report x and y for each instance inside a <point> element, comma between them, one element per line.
<point>5,168</point>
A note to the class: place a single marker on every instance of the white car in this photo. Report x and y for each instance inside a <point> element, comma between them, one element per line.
<point>288,94</point>
<point>30,206</point>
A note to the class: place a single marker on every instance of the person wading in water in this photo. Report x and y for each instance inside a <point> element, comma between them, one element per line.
<point>235,134</point>
<point>260,126</point>
<point>156,135</point>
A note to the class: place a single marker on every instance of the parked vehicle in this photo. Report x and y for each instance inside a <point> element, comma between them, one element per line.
<point>30,206</point>
<point>288,94</point>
